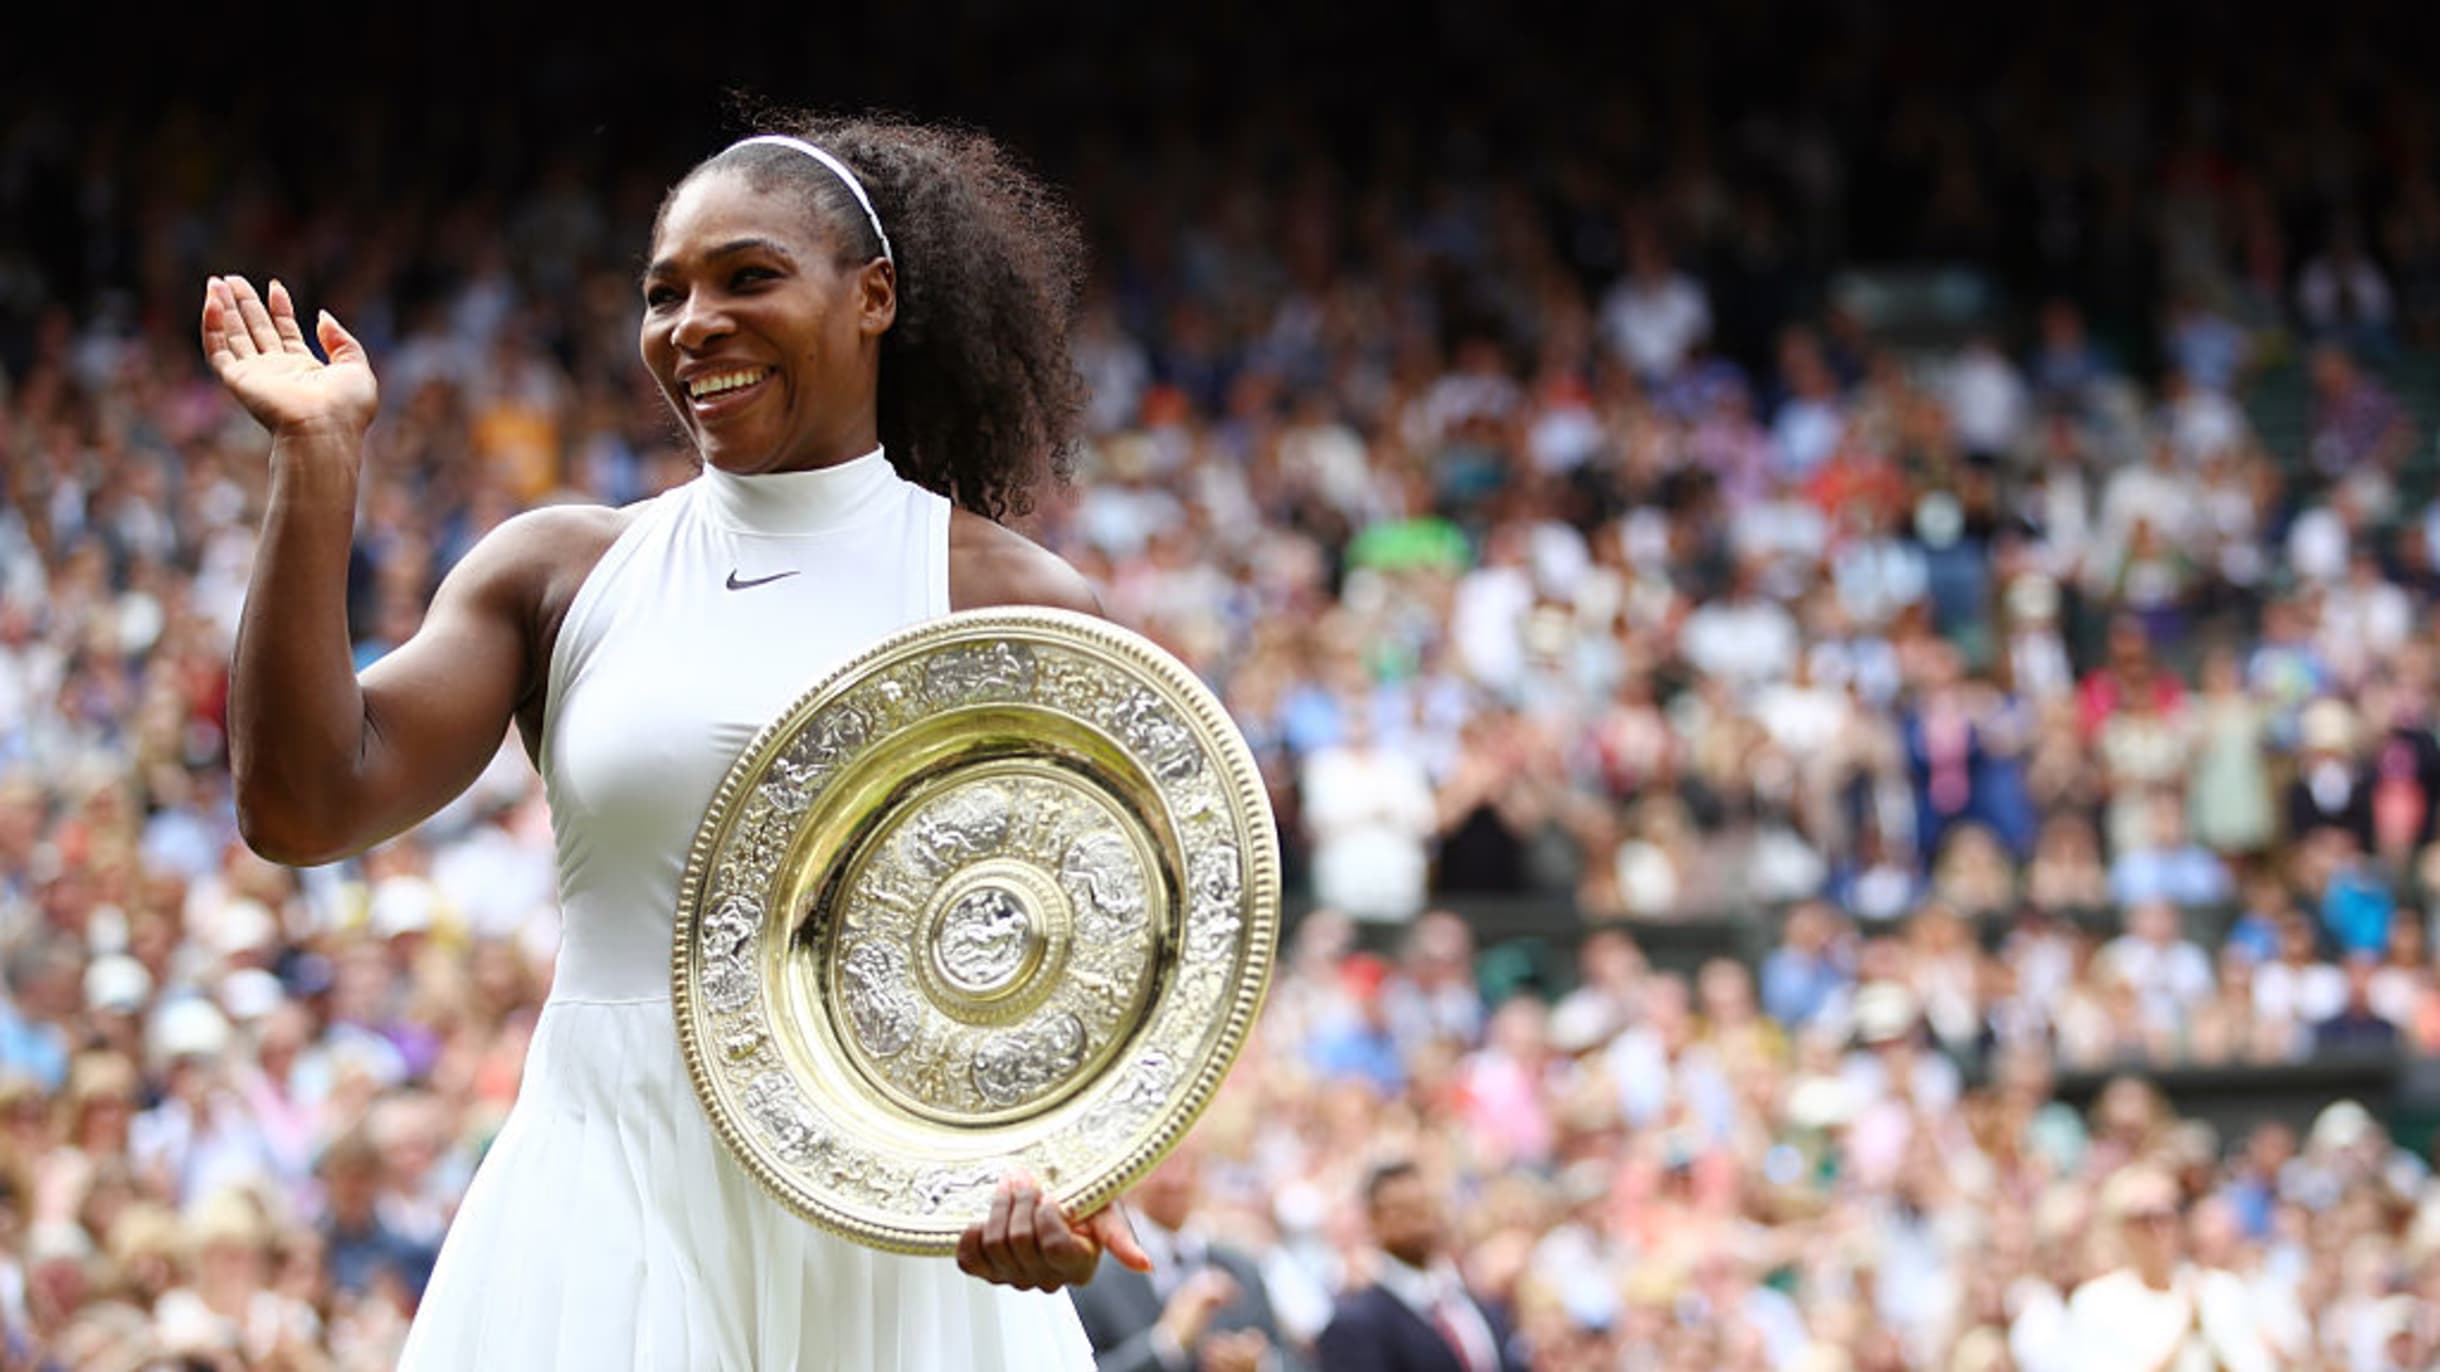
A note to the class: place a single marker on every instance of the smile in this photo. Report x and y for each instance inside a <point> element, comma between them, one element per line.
<point>719,392</point>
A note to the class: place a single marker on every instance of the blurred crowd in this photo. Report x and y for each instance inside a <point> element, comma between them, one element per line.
<point>1562,535</point>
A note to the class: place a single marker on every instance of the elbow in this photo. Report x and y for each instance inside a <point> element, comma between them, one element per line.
<point>279,830</point>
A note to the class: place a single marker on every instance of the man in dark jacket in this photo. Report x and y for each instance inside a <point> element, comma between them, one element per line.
<point>1417,1315</point>
<point>1201,1309</point>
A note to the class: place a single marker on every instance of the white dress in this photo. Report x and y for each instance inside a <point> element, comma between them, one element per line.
<point>608,1227</point>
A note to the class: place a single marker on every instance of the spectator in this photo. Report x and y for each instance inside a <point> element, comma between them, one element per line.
<point>1655,316</point>
<point>2151,1311</point>
<point>364,1254</point>
<point>1370,814</point>
<point>2168,867</point>
<point>2357,425</point>
<point>1805,973</point>
<point>1416,1315</point>
<point>2343,295</point>
<point>2168,974</point>
<point>2229,796</point>
<point>2358,1026</point>
<point>2326,793</point>
<point>1202,1307</point>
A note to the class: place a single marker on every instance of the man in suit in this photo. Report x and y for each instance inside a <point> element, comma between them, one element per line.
<point>1417,1315</point>
<point>1202,1308</point>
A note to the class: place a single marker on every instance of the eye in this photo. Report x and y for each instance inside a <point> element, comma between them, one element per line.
<point>660,297</point>
<point>748,276</point>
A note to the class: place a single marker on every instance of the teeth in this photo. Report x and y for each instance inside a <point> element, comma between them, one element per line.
<point>714,384</point>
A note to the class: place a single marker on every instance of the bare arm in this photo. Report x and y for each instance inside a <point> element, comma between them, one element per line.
<point>325,764</point>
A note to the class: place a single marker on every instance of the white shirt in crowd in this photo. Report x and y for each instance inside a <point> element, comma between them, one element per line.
<point>1988,400</point>
<point>1653,324</point>
<point>2117,1323</point>
<point>2166,978</point>
<point>1746,641</point>
<point>2286,993</point>
<point>1491,605</point>
<point>1369,811</point>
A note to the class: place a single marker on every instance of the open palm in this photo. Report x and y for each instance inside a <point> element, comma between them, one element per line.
<point>259,352</point>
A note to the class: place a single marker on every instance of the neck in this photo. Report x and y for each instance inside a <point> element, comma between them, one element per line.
<point>860,439</point>
<point>799,501</point>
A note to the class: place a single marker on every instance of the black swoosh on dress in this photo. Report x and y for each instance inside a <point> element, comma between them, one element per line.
<point>736,585</point>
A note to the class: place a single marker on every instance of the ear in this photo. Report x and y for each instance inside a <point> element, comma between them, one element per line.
<point>876,297</point>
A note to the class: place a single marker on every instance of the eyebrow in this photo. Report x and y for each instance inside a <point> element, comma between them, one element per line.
<point>734,246</point>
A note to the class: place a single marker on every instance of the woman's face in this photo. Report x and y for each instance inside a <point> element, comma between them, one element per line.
<point>767,349</point>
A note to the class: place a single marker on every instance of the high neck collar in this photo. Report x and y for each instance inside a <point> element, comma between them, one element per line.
<point>803,502</point>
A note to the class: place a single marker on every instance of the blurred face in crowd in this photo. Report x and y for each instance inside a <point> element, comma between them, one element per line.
<point>2149,1224</point>
<point>354,1182</point>
<point>746,284</point>
<point>2213,1233</point>
<point>1406,1220</point>
<point>1167,1197</point>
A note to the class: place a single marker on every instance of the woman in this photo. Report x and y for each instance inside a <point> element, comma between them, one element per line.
<point>862,330</point>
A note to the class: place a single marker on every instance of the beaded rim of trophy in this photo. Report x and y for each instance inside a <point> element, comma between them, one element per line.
<point>1000,893</point>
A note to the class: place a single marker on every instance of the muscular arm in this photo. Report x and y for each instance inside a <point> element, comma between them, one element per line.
<point>327,764</point>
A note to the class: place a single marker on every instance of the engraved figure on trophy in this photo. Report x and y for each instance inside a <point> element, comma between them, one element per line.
<point>772,1102</point>
<point>1101,877</point>
<point>994,669</point>
<point>873,978</point>
<point>728,932</point>
<point>801,770</point>
<point>1217,882</point>
<point>1013,1066</point>
<point>959,828</point>
<point>1152,730</point>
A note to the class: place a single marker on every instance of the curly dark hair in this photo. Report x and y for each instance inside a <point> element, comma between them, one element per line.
<point>979,398</point>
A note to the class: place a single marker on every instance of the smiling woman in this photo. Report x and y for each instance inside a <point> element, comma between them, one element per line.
<point>954,320</point>
<point>862,327</point>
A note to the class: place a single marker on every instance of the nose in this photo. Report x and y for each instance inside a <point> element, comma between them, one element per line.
<point>700,321</point>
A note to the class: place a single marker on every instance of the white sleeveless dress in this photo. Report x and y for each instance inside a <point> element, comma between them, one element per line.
<point>608,1228</point>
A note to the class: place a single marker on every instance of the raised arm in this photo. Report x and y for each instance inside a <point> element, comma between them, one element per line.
<point>326,765</point>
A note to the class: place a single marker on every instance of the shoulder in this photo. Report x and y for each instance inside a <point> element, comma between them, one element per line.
<point>535,550</point>
<point>524,574</point>
<point>1363,1306</point>
<point>990,564</point>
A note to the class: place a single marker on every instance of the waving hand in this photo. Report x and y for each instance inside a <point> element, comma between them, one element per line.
<point>259,352</point>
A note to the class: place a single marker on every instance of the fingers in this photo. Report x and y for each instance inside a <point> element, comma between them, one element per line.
<point>284,320</point>
<point>995,1233</point>
<point>257,320</point>
<point>232,329</point>
<point>215,326</point>
<point>1025,1241</point>
<point>1117,1235</point>
<point>970,1259</point>
<point>1070,1252</point>
<point>338,344</point>
<point>1025,1211</point>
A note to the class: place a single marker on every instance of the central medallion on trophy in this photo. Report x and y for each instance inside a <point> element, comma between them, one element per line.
<point>996,938</point>
<point>981,943</point>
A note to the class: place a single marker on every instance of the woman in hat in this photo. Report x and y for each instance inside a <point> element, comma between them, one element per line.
<point>861,327</point>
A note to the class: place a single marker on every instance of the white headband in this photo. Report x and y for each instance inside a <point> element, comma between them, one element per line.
<point>838,169</point>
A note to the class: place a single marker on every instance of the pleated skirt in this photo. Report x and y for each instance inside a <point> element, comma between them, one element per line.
<point>609,1228</point>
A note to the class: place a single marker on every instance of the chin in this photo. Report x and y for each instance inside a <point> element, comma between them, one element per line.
<point>737,459</point>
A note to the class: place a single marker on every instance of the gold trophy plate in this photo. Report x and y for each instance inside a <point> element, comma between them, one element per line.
<point>1001,893</point>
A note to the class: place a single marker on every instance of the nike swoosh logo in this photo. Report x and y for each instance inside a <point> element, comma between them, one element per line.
<point>736,585</point>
